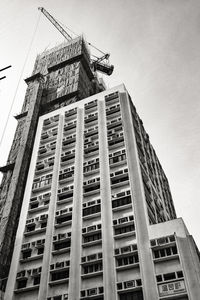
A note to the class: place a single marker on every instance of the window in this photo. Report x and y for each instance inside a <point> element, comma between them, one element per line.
<point>36,280</point>
<point>91,238</point>
<point>60,275</point>
<point>34,205</point>
<point>119,179</point>
<point>92,268</point>
<point>22,283</point>
<point>91,167</point>
<point>26,254</point>
<point>30,227</point>
<point>91,210</point>
<point>116,159</point>
<point>44,224</point>
<point>137,295</point>
<point>63,219</point>
<point>62,245</point>
<point>169,251</point>
<point>169,276</point>
<point>132,259</point>
<point>121,202</point>
<point>124,229</point>
<point>40,250</point>
<point>91,188</point>
<point>57,297</point>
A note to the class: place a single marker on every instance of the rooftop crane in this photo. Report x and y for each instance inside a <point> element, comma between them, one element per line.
<point>101,64</point>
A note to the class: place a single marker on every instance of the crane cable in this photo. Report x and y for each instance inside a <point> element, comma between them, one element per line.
<point>22,71</point>
<point>78,35</point>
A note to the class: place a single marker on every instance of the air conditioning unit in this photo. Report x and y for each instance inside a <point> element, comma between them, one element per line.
<point>25,246</point>
<point>36,271</point>
<point>162,241</point>
<point>40,242</point>
<point>129,284</point>
<point>43,217</point>
<point>45,196</point>
<point>91,257</point>
<point>59,265</point>
<point>21,274</point>
<point>123,220</point>
<point>126,249</point>
<point>91,228</point>
<point>29,221</point>
<point>64,211</point>
<point>61,236</point>
<point>33,199</point>
<point>92,292</point>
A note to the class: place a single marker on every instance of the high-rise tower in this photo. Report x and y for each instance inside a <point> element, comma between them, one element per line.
<point>61,76</point>
<point>97,219</point>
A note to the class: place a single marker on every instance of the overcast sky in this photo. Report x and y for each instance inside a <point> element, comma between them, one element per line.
<point>155,48</point>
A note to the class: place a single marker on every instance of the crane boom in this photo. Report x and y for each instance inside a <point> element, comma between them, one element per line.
<point>96,65</point>
<point>55,23</point>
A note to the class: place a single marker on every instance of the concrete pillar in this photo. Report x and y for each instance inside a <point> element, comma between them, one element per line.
<point>76,238</point>
<point>190,264</point>
<point>51,216</point>
<point>139,204</point>
<point>109,275</point>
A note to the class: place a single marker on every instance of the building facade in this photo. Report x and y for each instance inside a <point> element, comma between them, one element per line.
<point>97,218</point>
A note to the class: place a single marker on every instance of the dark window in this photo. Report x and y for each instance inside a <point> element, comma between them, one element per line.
<point>159,278</point>
<point>65,196</point>
<point>63,219</point>
<point>60,275</point>
<point>92,268</point>
<point>121,201</point>
<point>31,227</point>
<point>92,188</point>
<point>62,245</point>
<point>179,274</point>
<point>22,284</point>
<point>92,238</point>
<point>34,205</point>
<point>169,276</point>
<point>124,229</point>
<point>132,259</point>
<point>26,254</point>
<point>91,210</point>
<point>137,295</point>
<point>40,250</point>
<point>57,297</point>
<point>36,280</point>
<point>117,179</point>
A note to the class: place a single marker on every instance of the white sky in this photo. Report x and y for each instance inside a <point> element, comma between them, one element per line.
<point>155,48</point>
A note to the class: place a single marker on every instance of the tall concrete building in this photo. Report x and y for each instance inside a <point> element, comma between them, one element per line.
<point>97,219</point>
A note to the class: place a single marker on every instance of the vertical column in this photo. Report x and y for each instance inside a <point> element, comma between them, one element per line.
<point>139,204</point>
<point>76,239</point>
<point>16,186</point>
<point>190,263</point>
<point>51,216</point>
<point>109,276</point>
